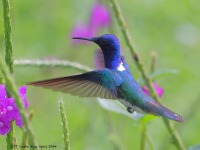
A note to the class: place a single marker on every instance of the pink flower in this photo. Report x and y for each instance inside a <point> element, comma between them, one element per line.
<point>158,89</point>
<point>100,16</point>
<point>9,111</point>
<point>82,31</point>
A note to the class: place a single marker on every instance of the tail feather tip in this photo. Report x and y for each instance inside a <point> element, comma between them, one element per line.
<point>179,118</point>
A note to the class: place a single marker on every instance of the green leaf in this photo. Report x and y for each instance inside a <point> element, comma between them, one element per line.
<point>64,124</point>
<point>159,74</point>
<point>163,73</point>
<point>147,118</point>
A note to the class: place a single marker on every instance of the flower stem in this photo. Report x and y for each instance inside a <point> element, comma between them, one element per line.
<point>11,138</point>
<point>64,124</point>
<point>7,34</point>
<point>153,62</point>
<point>121,21</point>
<point>51,63</point>
<point>25,134</point>
<point>24,139</point>
<point>145,138</point>
<point>144,135</point>
<point>149,142</point>
<point>13,90</point>
<point>1,78</point>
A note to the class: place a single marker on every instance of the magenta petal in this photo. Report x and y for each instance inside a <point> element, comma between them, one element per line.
<point>145,90</point>
<point>19,121</point>
<point>9,111</point>
<point>158,89</point>
<point>82,31</point>
<point>3,94</point>
<point>2,111</point>
<point>22,90</point>
<point>22,94</point>
<point>4,126</point>
<point>15,115</point>
<point>100,16</point>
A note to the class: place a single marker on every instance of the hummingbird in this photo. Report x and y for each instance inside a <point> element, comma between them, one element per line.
<point>115,82</point>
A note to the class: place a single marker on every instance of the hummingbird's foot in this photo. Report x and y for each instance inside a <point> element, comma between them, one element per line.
<point>129,109</point>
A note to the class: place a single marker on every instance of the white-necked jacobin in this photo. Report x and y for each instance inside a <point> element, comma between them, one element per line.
<point>115,81</point>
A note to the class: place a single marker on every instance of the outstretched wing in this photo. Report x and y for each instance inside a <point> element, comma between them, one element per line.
<point>100,83</point>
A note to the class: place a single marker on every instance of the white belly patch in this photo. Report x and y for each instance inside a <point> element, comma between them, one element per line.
<point>121,67</point>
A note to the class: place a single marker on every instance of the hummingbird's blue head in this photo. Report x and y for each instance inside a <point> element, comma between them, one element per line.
<point>110,46</point>
<point>105,42</point>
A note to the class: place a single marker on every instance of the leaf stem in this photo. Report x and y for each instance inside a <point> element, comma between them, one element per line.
<point>143,139</point>
<point>64,124</point>
<point>51,63</point>
<point>7,34</point>
<point>11,138</point>
<point>153,62</point>
<point>25,133</point>
<point>1,78</point>
<point>121,21</point>
<point>149,142</point>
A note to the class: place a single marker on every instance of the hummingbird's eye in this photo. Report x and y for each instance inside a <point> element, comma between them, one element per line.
<point>103,42</point>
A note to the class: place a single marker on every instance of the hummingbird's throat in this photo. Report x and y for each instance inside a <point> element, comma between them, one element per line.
<point>112,60</point>
<point>121,67</point>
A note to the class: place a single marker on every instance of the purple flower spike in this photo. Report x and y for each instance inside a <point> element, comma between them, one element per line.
<point>9,111</point>
<point>4,126</point>
<point>100,16</point>
<point>22,94</point>
<point>2,92</point>
<point>158,89</point>
<point>82,31</point>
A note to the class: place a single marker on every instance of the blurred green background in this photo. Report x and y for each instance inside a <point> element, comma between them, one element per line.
<point>41,29</point>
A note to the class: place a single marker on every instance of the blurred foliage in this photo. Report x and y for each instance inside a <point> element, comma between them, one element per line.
<point>171,28</point>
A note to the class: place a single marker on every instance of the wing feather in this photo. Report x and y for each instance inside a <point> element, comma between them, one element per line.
<point>99,83</point>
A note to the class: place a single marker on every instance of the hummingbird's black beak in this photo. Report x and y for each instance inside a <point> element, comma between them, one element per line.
<point>82,38</point>
<point>86,39</point>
